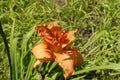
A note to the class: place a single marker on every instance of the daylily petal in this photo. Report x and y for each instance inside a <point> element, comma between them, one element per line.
<point>54,26</point>
<point>78,60</point>
<point>44,32</point>
<point>70,37</point>
<point>67,60</point>
<point>42,53</point>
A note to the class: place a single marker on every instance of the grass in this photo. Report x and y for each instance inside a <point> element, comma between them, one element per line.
<point>98,37</point>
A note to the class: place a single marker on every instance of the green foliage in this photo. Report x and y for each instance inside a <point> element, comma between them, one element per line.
<point>98,37</point>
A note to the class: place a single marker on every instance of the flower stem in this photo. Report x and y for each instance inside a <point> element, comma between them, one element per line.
<point>7,49</point>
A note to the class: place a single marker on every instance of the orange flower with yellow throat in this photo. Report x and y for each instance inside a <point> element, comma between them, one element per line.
<point>56,47</point>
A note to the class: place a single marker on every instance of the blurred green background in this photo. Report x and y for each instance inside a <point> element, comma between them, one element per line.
<point>98,37</point>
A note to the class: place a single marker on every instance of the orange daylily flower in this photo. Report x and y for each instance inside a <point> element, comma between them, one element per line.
<point>56,47</point>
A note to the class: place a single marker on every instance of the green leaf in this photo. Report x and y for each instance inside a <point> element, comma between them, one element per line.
<point>111,66</point>
<point>30,68</point>
<point>93,38</point>
<point>13,53</point>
